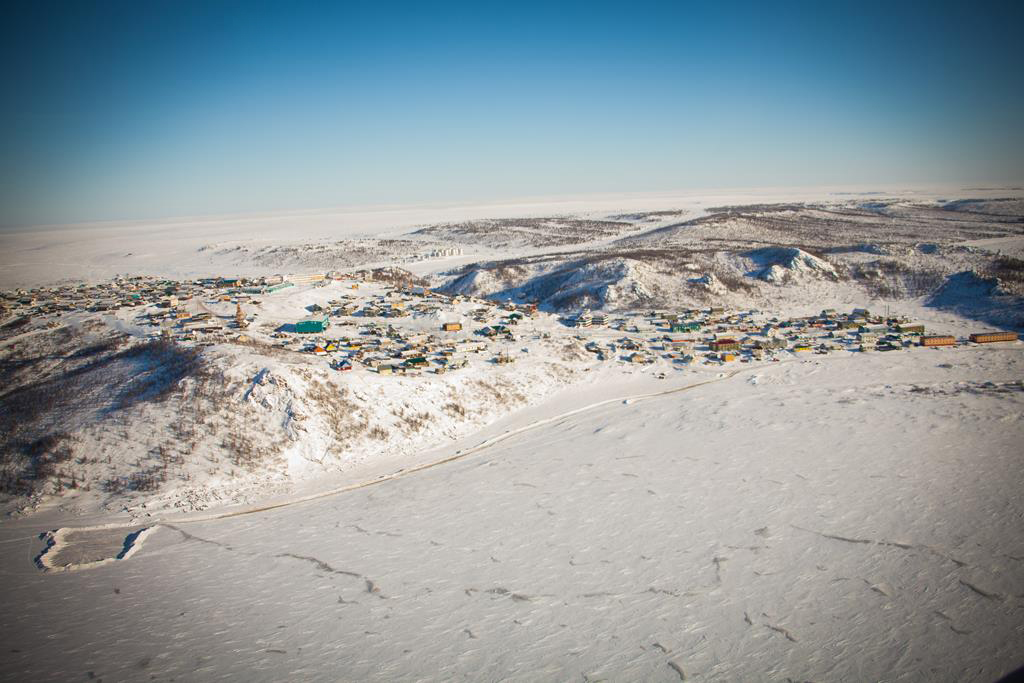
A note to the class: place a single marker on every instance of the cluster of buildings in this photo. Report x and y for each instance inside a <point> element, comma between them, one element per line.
<point>21,307</point>
<point>715,335</point>
<point>388,349</point>
<point>123,292</point>
<point>119,293</point>
<point>392,352</point>
<point>376,336</point>
<point>177,307</point>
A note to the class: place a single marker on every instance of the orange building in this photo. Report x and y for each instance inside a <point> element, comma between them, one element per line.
<point>989,337</point>
<point>938,340</point>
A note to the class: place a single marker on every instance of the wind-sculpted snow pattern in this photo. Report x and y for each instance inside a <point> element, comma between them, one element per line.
<point>748,529</point>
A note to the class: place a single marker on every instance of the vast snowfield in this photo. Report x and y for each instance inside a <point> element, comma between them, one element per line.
<point>838,517</point>
<point>841,519</point>
<point>199,246</point>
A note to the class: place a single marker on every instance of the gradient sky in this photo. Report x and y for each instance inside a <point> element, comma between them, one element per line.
<point>151,109</point>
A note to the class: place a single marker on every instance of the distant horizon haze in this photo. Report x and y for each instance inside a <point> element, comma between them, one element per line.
<point>377,219</point>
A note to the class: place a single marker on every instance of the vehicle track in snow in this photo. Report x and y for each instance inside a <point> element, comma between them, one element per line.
<point>47,560</point>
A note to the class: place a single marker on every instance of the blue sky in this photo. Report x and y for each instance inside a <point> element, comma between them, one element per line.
<point>142,110</point>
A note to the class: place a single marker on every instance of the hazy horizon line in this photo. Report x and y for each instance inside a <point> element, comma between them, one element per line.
<point>522,200</point>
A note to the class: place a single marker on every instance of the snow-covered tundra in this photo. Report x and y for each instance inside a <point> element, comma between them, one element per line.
<point>839,517</point>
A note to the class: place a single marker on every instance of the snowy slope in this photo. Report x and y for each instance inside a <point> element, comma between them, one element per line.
<point>748,529</point>
<point>235,424</point>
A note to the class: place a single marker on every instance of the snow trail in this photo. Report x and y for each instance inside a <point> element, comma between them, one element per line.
<point>58,540</point>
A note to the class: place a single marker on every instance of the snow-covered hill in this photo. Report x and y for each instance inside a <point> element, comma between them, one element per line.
<point>781,265</point>
<point>157,426</point>
<point>773,256</point>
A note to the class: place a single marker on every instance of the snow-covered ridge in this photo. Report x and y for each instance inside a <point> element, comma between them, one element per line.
<point>769,255</point>
<point>779,265</point>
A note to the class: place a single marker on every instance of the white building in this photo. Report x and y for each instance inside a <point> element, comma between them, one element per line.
<point>306,279</point>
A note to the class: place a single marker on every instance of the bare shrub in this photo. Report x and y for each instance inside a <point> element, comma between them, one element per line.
<point>29,466</point>
<point>144,481</point>
<point>1006,268</point>
<point>891,279</point>
<point>573,351</point>
<point>921,282</point>
<point>166,365</point>
<point>341,415</point>
<point>105,346</point>
<point>581,298</point>
<point>454,409</point>
<point>735,283</point>
<point>503,395</point>
<point>508,275</point>
<point>242,450</point>
<point>417,421</point>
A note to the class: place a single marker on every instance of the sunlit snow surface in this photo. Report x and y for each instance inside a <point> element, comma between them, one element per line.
<point>857,518</point>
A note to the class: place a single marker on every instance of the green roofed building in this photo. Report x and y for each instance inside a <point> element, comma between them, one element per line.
<point>279,286</point>
<point>312,325</point>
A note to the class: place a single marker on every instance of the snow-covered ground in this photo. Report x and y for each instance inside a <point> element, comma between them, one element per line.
<point>843,519</point>
<point>234,245</point>
<point>849,516</point>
